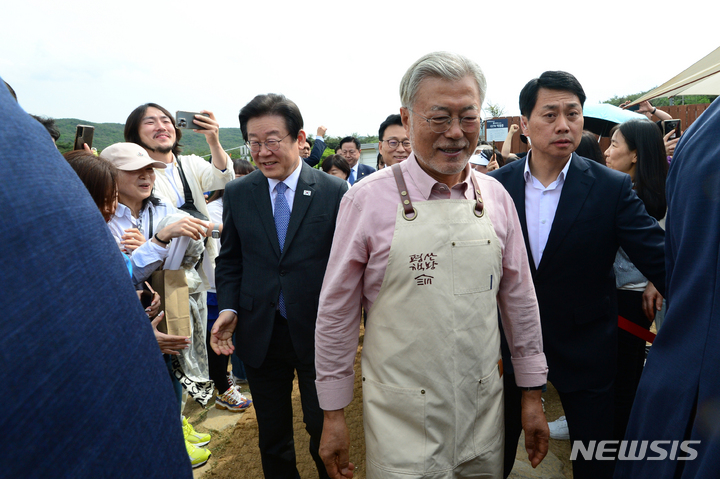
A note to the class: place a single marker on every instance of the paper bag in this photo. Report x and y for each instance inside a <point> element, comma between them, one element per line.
<point>172,287</point>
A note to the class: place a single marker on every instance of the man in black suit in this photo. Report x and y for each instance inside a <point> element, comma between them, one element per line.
<point>575,214</point>
<point>349,148</point>
<point>312,157</point>
<point>278,229</point>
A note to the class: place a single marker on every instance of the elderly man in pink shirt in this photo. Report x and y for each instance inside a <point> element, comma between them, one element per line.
<point>430,249</point>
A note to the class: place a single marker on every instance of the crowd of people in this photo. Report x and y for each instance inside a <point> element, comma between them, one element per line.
<point>479,275</point>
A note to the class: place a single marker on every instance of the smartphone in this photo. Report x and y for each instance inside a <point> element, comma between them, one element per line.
<point>83,134</point>
<point>146,298</point>
<point>633,107</point>
<point>184,119</point>
<point>670,125</point>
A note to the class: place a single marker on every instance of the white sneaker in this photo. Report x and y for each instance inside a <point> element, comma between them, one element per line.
<point>232,400</point>
<point>559,429</point>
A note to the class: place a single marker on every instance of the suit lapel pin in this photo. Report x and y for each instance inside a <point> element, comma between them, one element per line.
<point>306,192</point>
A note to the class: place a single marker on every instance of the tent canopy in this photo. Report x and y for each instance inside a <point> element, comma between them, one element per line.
<point>700,79</point>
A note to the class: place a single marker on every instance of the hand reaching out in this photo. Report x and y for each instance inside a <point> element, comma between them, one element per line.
<point>169,344</point>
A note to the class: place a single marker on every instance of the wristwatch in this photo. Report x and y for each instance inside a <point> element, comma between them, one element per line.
<point>216,231</point>
<point>531,388</point>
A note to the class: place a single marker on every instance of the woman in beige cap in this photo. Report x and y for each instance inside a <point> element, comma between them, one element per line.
<point>135,221</point>
<point>136,225</point>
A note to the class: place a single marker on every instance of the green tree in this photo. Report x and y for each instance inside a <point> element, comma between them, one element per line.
<point>663,101</point>
<point>494,110</point>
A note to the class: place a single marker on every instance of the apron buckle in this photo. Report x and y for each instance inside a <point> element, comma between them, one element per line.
<point>479,208</point>
<point>404,213</point>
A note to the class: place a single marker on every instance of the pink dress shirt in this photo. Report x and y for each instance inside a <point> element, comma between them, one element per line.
<point>356,268</point>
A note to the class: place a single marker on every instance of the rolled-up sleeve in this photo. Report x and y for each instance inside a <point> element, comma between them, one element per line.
<point>517,299</point>
<point>339,312</point>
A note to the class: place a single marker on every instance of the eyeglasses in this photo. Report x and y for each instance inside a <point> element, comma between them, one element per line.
<point>441,124</point>
<point>393,144</point>
<point>272,144</point>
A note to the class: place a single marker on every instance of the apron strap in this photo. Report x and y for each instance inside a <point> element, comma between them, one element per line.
<point>408,208</point>
<point>479,206</point>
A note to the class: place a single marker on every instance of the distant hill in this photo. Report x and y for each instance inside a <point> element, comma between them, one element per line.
<point>108,133</point>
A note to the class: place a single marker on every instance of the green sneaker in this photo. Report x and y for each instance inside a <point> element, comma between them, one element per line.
<point>198,455</point>
<point>192,436</point>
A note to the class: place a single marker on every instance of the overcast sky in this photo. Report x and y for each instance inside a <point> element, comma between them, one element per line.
<point>341,62</point>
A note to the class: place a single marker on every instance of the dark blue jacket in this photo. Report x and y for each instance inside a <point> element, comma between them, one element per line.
<point>85,389</point>
<point>679,393</point>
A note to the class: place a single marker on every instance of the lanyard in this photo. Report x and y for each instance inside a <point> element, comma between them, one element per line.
<point>140,226</point>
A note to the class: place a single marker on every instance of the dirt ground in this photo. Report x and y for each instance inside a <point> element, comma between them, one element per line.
<point>235,454</point>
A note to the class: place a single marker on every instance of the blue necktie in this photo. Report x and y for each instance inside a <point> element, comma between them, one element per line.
<point>351,178</point>
<point>282,219</point>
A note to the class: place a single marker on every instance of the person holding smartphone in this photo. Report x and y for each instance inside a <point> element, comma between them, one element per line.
<point>185,178</point>
<point>153,127</point>
<point>645,108</point>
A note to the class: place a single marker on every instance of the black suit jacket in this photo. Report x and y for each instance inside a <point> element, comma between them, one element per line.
<point>250,270</point>
<point>317,150</point>
<point>575,285</point>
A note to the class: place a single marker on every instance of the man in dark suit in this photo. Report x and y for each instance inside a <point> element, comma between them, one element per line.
<point>349,148</point>
<point>575,214</point>
<point>312,157</point>
<point>278,229</point>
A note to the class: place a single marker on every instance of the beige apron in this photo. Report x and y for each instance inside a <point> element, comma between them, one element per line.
<point>432,391</point>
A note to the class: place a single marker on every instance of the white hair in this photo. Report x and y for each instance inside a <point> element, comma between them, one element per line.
<point>445,65</point>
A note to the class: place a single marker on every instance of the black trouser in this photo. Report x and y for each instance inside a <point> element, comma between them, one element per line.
<point>217,366</point>
<point>589,414</point>
<point>631,358</point>
<point>271,388</point>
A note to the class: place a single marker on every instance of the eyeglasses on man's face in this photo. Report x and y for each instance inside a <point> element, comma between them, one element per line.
<point>442,123</point>
<point>393,144</point>
<point>272,144</point>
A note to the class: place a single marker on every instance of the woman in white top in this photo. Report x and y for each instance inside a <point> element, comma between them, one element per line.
<point>135,221</point>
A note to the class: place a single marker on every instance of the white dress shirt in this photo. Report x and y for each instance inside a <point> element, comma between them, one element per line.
<point>148,257</point>
<point>540,206</point>
<point>291,182</point>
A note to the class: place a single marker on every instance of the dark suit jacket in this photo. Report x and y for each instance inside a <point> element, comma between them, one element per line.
<point>317,150</point>
<point>250,271</point>
<point>364,170</point>
<point>575,285</point>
